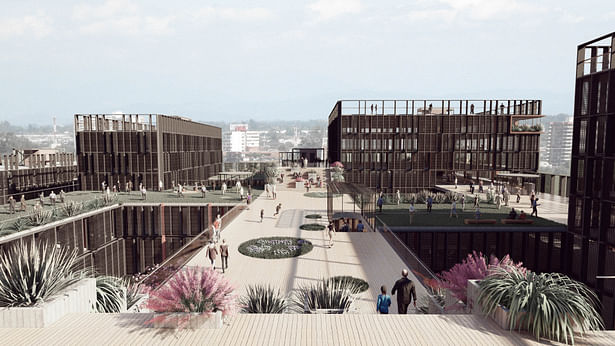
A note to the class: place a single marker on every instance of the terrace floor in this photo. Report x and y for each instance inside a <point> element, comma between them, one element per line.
<point>364,255</point>
<point>286,329</point>
<point>230,197</point>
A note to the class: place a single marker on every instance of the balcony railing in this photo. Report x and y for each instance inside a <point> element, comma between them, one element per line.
<point>438,107</point>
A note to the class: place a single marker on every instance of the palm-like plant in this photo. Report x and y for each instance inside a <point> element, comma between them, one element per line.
<point>325,294</point>
<point>72,208</point>
<point>110,294</point>
<point>21,224</point>
<point>193,289</point>
<point>261,299</point>
<point>549,305</point>
<point>40,217</point>
<point>134,292</point>
<point>31,273</point>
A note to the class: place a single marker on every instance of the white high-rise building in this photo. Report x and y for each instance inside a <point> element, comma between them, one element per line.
<point>558,143</point>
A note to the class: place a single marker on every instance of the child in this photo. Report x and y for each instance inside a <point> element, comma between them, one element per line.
<point>383,302</point>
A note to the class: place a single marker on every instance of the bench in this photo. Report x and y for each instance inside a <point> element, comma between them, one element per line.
<point>479,221</point>
<point>517,221</point>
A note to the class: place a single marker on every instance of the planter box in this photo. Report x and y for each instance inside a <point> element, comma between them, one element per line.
<point>472,293</point>
<point>502,318</point>
<point>194,321</point>
<point>78,298</point>
<point>327,311</point>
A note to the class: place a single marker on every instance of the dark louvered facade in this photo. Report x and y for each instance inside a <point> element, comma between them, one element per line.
<point>591,217</point>
<point>145,149</point>
<point>412,145</point>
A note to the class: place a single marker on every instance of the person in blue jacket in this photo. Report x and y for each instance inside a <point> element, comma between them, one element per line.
<point>384,301</point>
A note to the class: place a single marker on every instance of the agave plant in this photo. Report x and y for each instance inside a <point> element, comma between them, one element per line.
<point>354,285</point>
<point>474,267</point>
<point>40,217</point>
<point>261,299</point>
<point>134,292</point>
<point>110,294</point>
<point>21,224</point>
<point>31,273</point>
<point>72,208</point>
<point>193,289</point>
<point>549,305</point>
<point>5,229</point>
<point>108,199</point>
<point>324,294</point>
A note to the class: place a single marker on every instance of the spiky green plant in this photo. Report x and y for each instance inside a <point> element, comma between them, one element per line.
<point>261,299</point>
<point>324,294</point>
<point>40,217</point>
<point>355,285</point>
<point>110,294</point>
<point>21,224</point>
<point>548,305</point>
<point>108,199</point>
<point>5,229</point>
<point>134,292</point>
<point>72,208</point>
<point>32,273</point>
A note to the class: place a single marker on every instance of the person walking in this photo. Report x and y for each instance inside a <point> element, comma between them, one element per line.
<point>331,232</point>
<point>22,201</point>
<point>277,209</point>
<point>453,209</point>
<point>383,302</point>
<point>217,225</point>
<point>52,198</point>
<point>62,196</point>
<point>476,202</point>
<point>360,226</point>
<point>267,189</point>
<point>274,191</point>
<point>429,203</point>
<point>380,202</point>
<point>463,202</point>
<point>223,188</point>
<point>224,254</point>
<point>518,198</point>
<point>535,207</point>
<point>143,193</point>
<point>212,253</point>
<point>203,191</point>
<point>406,292</point>
<point>160,185</point>
<point>263,214</point>
<point>372,108</point>
<point>12,203</point>
<point>248,200</point>
<point>398,197</point>
<point>455,182</point>
<point>411,212</point>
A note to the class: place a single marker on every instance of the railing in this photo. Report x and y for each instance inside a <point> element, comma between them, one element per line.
<point>427,277</point>
<point>596,55</point>
<point>439,107</point>
<point>115,122</point>
<point>162,273</point>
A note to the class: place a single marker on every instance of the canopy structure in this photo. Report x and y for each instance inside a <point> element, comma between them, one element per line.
<point>518,175</point>
<point>224,176</point>
<point>346,200</point>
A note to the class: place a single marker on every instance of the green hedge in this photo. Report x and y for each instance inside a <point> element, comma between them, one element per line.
<point>313,216</point>
<point>312,227</point>
<point>275,247</point>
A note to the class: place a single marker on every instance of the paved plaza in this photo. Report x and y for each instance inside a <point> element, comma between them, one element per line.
<point>363,255</point>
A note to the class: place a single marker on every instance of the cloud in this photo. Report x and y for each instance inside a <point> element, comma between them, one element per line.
<point>231,13</point>
<point>328,9</point>
<point>476,10</point>
<point>122,17</point>
<point>38,25</point>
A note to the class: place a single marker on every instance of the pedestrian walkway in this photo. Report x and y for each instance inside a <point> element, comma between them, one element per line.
<point>363,255</point>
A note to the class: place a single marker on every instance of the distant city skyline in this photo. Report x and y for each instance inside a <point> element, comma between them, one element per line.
<point>237,60</point>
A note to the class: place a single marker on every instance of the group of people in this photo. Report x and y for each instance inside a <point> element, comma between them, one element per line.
<point>405,292</point>
<point>213,249</point>
<point>53,198</point>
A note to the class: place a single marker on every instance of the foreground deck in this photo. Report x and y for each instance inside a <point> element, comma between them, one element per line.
<point>351,329</point>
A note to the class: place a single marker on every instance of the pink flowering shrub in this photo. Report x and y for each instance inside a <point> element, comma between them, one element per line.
<point>474,267</point>
<point>337,164</point>
<point>193,289</point>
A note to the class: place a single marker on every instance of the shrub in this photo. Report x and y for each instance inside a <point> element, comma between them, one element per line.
<point>134,292</point>
<point>548,305</point>
<point>21,224</point>
<point>193,289</point>
<point>355,285</point>
<point>324,294</point>
<point>32,273</point>
<point>108,199</point>
<point>473,267</point>
<point>72,208</point>
<point>439,198</point>
<point>410,198</point>
<point>261,299</point>
<point>313,216</point>
<point>39,217</point>
<point>110,294</point>
<point>312,227</point>
<point>275,247</point>
<point>5,229</point>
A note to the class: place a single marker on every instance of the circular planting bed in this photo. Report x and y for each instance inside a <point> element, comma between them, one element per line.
<point>313,216</point>
<point>312,227</point>
<point>361,284</point>
<point>275,247</point>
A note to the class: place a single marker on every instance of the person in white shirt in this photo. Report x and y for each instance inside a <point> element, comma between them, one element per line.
<point>411,212</point>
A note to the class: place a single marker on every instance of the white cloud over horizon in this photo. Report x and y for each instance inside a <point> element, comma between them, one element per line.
<point>268,59</point>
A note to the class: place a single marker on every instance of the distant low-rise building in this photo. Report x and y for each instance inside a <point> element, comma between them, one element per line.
<point>558,143</point>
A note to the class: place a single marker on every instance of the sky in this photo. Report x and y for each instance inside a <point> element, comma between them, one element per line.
<point>284,60</point>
